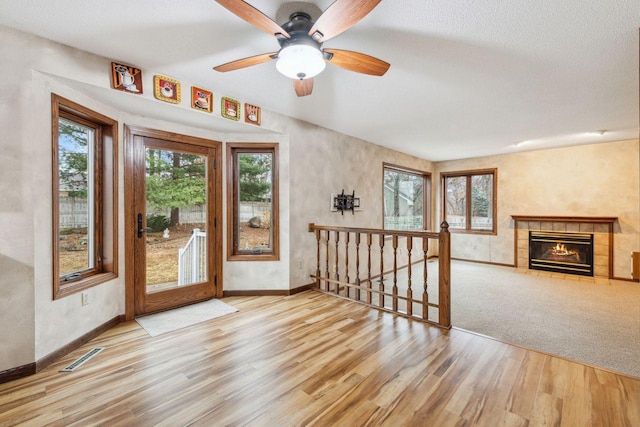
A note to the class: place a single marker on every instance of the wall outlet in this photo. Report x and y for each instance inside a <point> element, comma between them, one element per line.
<point>299,264</point>
<point>85,298</point>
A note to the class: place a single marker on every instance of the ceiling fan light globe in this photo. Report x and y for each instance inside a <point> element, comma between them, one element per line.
<point>300,60</point>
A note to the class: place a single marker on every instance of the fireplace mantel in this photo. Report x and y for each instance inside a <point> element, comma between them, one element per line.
<point>591,219</point>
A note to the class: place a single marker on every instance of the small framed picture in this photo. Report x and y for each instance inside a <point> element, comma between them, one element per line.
<point>201,99</point>
<point>166,89</point>
<point>126,78</point>
<point>230,108</point>
<point>252,114</point>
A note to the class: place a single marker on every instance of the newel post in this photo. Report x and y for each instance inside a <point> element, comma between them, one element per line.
<point>444,275</point>
<point>317,234</point>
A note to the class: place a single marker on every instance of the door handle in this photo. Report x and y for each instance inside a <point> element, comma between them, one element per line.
<point>140,225</point>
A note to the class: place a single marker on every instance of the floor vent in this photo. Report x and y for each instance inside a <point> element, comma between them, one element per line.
<point>81,360</point>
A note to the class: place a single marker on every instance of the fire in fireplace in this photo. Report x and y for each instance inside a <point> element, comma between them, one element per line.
<point>570,253</point>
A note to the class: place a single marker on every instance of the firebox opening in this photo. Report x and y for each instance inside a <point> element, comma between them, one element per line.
<point>570,253</point>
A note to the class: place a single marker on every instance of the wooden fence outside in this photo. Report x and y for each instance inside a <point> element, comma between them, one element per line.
<point>73,212</point>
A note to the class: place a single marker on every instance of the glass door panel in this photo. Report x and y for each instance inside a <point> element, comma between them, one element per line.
<point>176,219</point>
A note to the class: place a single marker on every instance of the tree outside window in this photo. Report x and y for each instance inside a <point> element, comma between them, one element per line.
<point>405,195</point>
<point>84,197</point>
<point>469,200</point>
<point>77,203</point>
<point>174,180</point>
<point>253,206</point>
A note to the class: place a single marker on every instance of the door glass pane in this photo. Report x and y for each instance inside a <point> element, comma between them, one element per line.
<point>403,201</point>
<point>255,225</point>
<point>456,201</point>
<point>76,197</point>
<point>176,208</point>
<point>482,202</point>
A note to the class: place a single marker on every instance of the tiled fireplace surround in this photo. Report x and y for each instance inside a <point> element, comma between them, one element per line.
<point>600,227</point>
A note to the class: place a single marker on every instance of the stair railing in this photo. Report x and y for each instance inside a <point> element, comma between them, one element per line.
<point>192,265</point>
<point>391,270</point>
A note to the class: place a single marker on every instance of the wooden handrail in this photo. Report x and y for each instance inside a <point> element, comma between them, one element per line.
<point>395,291</point>
<point>378,231</point>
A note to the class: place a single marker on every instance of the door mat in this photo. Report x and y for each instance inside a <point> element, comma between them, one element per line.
<point>172,320</point>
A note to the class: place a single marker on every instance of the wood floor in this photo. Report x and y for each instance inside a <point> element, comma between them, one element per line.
<point>313,359</point>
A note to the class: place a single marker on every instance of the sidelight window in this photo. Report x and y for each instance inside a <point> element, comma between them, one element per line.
<point>84,197</point>
<point>252,189</point>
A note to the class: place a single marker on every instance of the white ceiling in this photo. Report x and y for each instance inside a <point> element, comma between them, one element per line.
<point>468,77</point>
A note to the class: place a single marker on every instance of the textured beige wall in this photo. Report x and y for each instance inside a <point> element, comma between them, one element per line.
<point>324,162</point>
<point>592,180</point>
<point>59,322</point>
<point>17,317</point>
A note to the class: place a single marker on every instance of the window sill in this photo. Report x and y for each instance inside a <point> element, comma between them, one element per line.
<point>484,232</point>
<point>253,257</point>
<point>67,289</point>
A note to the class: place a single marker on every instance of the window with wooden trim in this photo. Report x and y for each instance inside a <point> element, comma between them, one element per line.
<point>84,208</point>
<point>252,202</point>
<point>406,195</point>
<point>469,200</point>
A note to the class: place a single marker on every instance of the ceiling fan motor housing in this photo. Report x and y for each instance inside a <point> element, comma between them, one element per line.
<point>298,28</point>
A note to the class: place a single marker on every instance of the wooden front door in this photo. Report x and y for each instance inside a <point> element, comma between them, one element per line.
<point>174,246</point>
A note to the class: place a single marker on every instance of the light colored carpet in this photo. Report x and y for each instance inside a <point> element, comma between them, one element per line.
<point>171,320</point>
<point>593,323</point>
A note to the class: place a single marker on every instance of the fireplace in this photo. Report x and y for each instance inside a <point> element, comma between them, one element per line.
<point>569,253</point>
<point>600,227</point>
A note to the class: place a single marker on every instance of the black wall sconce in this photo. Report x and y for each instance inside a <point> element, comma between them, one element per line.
<point>346,202</point>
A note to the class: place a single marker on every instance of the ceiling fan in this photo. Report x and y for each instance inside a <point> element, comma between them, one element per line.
<point>301,56</point>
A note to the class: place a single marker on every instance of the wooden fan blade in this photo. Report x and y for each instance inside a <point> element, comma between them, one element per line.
<point>253,16</point>
<point>358,62</point>
<point>246,62</point>
<point>303,87</point>
<point>340,16</point>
